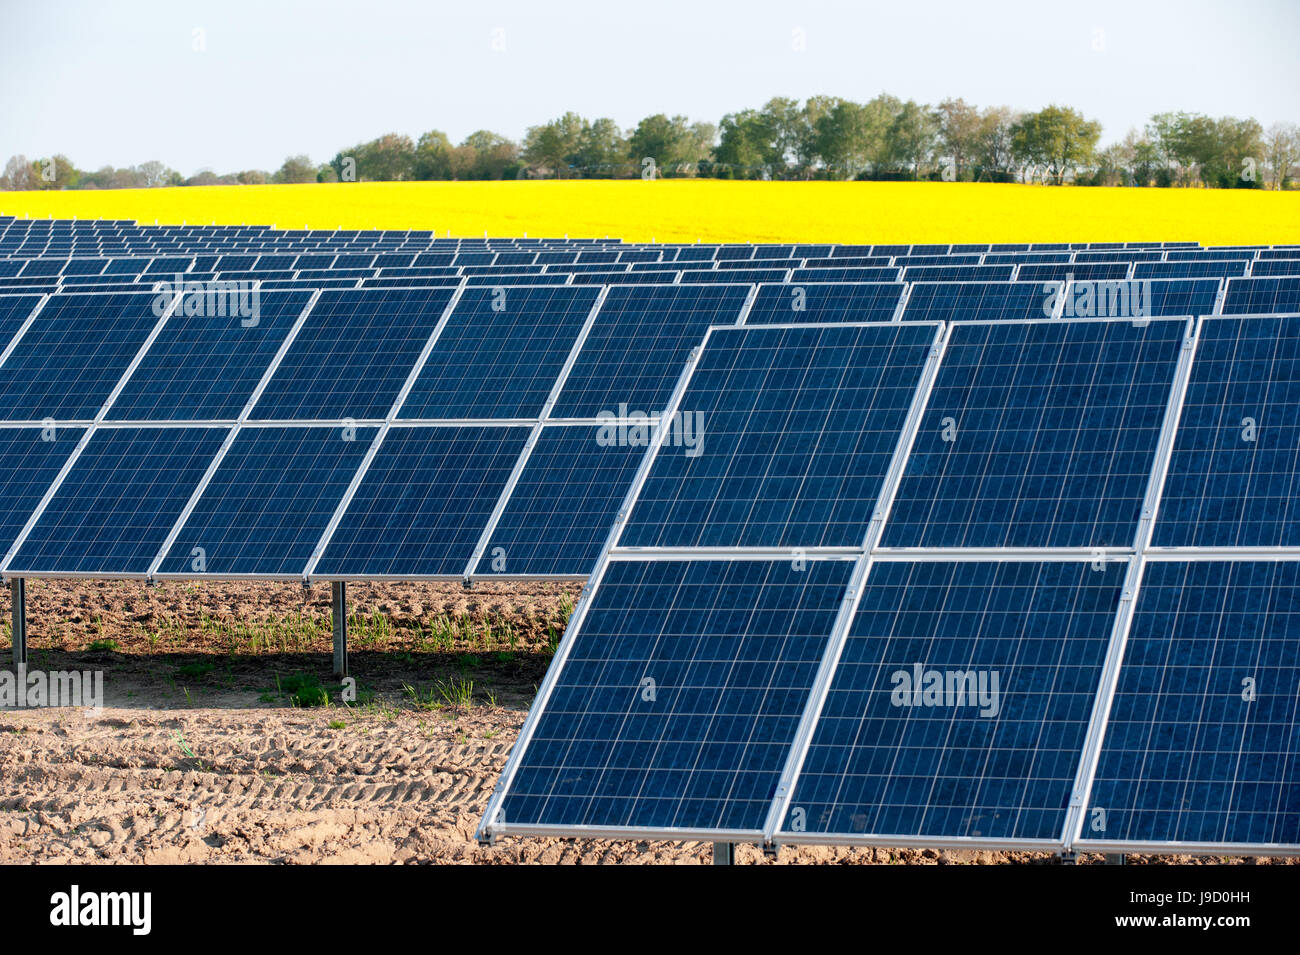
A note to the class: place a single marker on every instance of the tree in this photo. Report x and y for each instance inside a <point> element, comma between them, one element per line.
<point>295,169</point>
<point>912,138</point>
<point>1057,139</point>
<point>993,148</point>
<point>676,145</point>
<point>20,175</point>
<point>602,150</point>
<point>554,146</point>
<point>432,156</point>
<point>747,146</point>
<point>486,155</point>
<point>1282,151</point>
<point>960,125</point>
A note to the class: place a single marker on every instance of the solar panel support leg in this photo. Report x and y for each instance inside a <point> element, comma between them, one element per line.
<point>339,603</point>
<point>1068,858</point>
<point>724,853</point>
<point>18,603</point>
<point>1116,858</point>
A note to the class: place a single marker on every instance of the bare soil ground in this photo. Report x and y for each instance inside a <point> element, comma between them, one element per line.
<point>205,751</point>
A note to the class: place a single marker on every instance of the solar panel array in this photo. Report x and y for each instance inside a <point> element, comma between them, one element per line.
<point>983,545</point>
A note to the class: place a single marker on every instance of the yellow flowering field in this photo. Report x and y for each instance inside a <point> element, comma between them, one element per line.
<point>687,210</point>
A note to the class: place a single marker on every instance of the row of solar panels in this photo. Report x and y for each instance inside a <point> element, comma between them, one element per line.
<point>336,354</point>
<point>923,594</point>
<point>1031,266</point>
<point>694,256</point>
<point>1039,435</point>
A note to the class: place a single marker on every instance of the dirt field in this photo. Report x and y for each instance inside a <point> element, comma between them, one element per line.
<point>201,753</point>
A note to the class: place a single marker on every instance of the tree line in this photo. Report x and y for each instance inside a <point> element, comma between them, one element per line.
<point>824,137</point>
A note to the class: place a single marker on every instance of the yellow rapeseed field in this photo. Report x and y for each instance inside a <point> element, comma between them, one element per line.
<point>711,211</point>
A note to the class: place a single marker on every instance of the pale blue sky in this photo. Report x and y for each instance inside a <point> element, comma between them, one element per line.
<point>120,83</point>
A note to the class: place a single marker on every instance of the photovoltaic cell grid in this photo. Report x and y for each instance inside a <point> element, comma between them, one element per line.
<point>784,438</point>
<point>14,310</point>
<point>353,354</point>
<point>960,702</point>
<point>1261,296</point>
<point>638,346</point>
<point>269,501</point>
<point>500,353</point>
<point>30,459</point>
<point>206,366</point>
<point>1234,478</point>
<point>1203,740</point>
<point>1038,434</point>
<point>809,303</point>
<point>977,301</point>
<point>113,511</point>
<point>424,502</point>
<point>66,364</point>
<point>563,505</point>
<point>677,704</point>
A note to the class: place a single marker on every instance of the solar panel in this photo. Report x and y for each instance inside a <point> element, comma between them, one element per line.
<point>14,311</point>
<point>1267,267</point>
<point>353,354</point>
<point>784,437</point>
<point>30,459</point>
<point>562,507</point>
<point>867,274</point>
<point>638,345</point>
<point>1234,477</point>
<point>423,503</point>
<point>1094,272</point>
<point>982,301</point>
<point>500,353</point>
<point>1262,296</point>
<point>678,697</point>
<point>115,507</point>
<point>959,704</point>
<point>268,502</point>
<point>66,364</point>
<point>1140,297</point>
<point>1203,741</point>
<point>849,302</point>
<point>1189,269</point>
<point>206,366</point>
<point>958,273</point>
<point>1038,434</point>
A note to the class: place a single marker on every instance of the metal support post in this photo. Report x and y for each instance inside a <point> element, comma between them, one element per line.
<point>339,601</point>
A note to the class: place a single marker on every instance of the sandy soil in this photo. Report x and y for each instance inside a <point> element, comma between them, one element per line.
<point>199,754</point>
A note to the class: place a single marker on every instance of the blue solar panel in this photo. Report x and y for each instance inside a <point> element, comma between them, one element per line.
<point>1038,434</point>
<point>1260,296</point>
<point>1264,267</point>
<point>730,650</point>
<point>845,275</point>
<point>638,346</point>
<point>79,346</point>
<point>14,310</point>
<point>206,366</point>
<point>960,702</point>
<point>1137,297</point>
<point>1234,478</point>
<point>269,501</point>
<point>563,506</point>
<point>353,354</point>
<point>30,459</point>
<point>424,502</point>
<point>864,302</point>
<point>1203,740</point>
<point>1189,269</point>
<point>500,353</point>
<point>1094,272</point>
<point>785,437</point>
<point>113,511</point>
<point>957,273</point>
<point>982,301</point>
